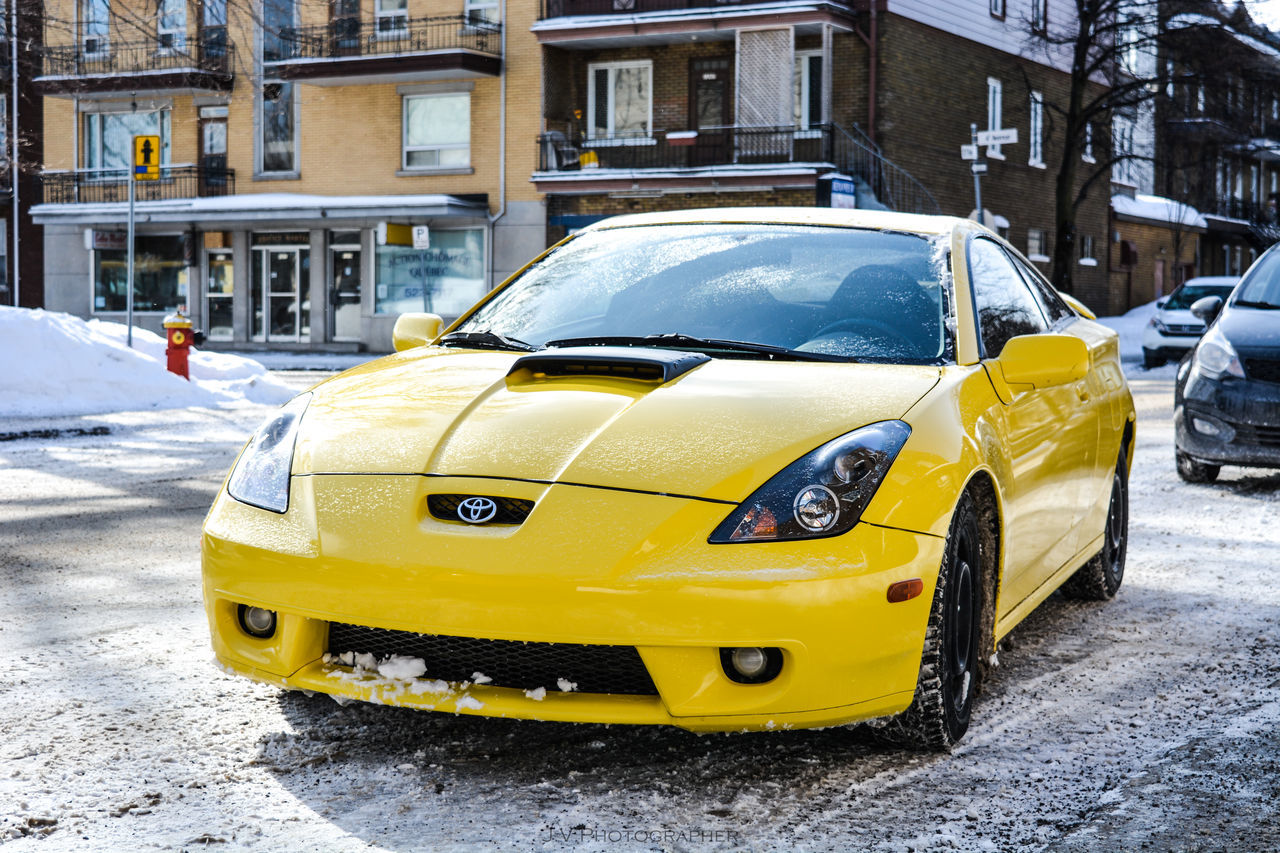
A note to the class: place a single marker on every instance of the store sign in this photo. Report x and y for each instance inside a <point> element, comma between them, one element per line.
<point>106,240</point>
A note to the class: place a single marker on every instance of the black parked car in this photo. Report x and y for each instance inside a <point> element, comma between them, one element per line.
<point>1227,397</point>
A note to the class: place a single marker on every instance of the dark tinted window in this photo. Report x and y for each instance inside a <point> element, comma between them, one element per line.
<point>1005,305</point>
<point>1184,296</point>
<point>1050,301</point>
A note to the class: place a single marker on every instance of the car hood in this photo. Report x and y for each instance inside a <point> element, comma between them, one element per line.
<point>1251,330</point>
<point>717,431</point>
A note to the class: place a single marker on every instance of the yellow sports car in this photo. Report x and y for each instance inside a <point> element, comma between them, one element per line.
<point>722,469</point>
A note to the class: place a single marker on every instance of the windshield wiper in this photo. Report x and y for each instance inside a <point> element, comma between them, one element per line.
<point>1250,304</point>
<point>682,341</point>
<point>486,339</point>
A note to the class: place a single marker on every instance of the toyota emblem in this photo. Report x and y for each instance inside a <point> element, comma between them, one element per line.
<point>477,510</point>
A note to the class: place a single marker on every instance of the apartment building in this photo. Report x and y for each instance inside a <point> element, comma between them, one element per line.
<point>660,104</point>
<point>21,152</point>
<point>325,166</point>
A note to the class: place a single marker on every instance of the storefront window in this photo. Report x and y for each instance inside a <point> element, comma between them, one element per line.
<point>221,285</point>
<point>159,275</point>
<point>446,279</point>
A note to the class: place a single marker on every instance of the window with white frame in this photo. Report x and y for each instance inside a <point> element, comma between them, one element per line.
<point>94,22</point>
<point>1087,258</point>
<point>995,110</point>
<point>483,12</point>
<point>997,8</point>
<point>279,128</point>
<point>437,131</point>
<point>1038,245</point>
<point>171,25</point>
<point>279,19</point>
<point>807,111</point>
<point>1039,16</point>
<point>1036,131</point>
<point>620,100</point>
<point>108,137</point>
<point>392,17</point>
<point>1125,170</point>
<point>1087,154</point>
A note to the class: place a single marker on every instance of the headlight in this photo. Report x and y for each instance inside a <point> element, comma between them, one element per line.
<point>1160,326</point>
<point>1216,357</point>
<point>261,476</point>
<point>821,494</point>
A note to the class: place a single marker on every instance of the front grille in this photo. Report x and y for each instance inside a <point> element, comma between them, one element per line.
<point>1262,369</point>
<point>510,510</point>
<point>1260,436</point>
<point>1195,329</point>
<point>526,666</point>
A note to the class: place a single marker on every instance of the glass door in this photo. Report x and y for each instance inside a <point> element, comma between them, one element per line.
<point>219,279</point>
<point>344,291</point>
<point>280,310</point>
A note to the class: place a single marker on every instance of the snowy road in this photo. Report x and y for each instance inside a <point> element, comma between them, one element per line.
<point>1154,718</point>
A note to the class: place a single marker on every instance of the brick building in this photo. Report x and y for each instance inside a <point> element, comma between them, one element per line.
<point>300,142</point>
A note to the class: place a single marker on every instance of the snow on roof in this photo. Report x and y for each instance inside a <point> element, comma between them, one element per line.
<point>1157,209</point>
<point>1190,19</point>
<point>59,365</point>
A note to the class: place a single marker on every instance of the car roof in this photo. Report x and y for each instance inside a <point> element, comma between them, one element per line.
<point>876,219</point>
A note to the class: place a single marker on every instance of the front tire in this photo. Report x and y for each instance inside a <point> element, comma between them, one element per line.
<point>949,666</point>
<point>1151,358</point>
<point>1192,471</point>
<point>1100,578</point>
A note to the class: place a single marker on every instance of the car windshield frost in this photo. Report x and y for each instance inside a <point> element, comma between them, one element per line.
<point>821,292</point>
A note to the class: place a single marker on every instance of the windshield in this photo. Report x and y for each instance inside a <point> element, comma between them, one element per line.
<point>826,292</point>
<point>1261,286</point>
<point>1189,293</point>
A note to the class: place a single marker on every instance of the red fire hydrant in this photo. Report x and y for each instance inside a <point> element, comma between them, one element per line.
<point>178,332</point>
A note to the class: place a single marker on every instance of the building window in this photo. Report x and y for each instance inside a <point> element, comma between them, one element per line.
<point>620,100</point>
<point>807,110</point>
<point>997,8</point>
<point>1036,134</point>
<point>437,131</point>
<point>279,128</point>
<point>1038,245</point>
<point>1040,16</point>
<point>94,18</point>
<point>108,137</point>
<point>1087,154</point>
<point>279,21</point>
<point>995,109</point>
<point>1087,258</point>
<point>171,25</point>
<point>446,279</point>
<point>159,275</point>
<point>483,12</point>
<point>1125,170</point>
<point>392,17</point>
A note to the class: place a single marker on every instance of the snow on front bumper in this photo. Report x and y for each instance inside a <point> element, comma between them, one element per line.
<point>364,551</point>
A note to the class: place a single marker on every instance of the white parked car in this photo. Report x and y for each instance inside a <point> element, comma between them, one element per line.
<point>1174,330</point>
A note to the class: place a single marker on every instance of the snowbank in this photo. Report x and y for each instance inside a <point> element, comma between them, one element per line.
<point>60,365</point>
<point>1130,327</point>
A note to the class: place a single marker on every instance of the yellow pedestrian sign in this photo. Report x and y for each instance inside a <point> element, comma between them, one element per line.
<point>146,158</point>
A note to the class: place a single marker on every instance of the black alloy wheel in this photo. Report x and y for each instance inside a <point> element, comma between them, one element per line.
<point>1100,578</point>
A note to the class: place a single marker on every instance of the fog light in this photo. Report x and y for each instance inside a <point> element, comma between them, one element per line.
<point>1205,427</point>
<point>750,664</point>
<point>257,622</point>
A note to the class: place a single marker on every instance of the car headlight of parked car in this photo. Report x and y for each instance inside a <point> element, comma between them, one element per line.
<point>823,493</point>
<point>1215,357</point>
<point>261,476</point>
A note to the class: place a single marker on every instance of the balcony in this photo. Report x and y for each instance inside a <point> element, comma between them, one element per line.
<point>603,24</point>
<point>109,186</point>
<point>72,71</point>
<point>349,51</point>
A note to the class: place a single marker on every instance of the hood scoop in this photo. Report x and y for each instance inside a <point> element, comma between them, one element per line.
<point>639,365</point>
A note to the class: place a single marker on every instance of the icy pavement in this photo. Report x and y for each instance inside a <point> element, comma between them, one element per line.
<point>1149,722</point>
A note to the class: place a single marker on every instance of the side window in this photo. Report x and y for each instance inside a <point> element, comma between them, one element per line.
<point>1050,302</point>
<point>1005,306</point>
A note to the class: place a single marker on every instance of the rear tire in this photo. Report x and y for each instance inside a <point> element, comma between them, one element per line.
<point>1195,472</point>
<point>1151,359</point>
<point>949,666</point>
<point>1100,578</point>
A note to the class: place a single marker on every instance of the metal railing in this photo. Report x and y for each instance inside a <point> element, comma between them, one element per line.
<point>890,184</point>
<point>211,54</point>
<point>559,8</point>
<point>388,36</point>
<point>101,186</point>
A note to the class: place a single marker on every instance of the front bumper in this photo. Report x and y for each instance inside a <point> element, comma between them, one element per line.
<point>588,567</point>
<point>1243,417</point>
<point>1171,347</point>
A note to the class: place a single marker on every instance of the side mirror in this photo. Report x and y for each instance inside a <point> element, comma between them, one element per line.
<point>415,330</point>
<point>1161,301</point>
<point>1207,308</point>
<point>1042,361</point>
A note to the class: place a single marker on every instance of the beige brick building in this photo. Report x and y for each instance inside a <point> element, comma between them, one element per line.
<point>300,143</point>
